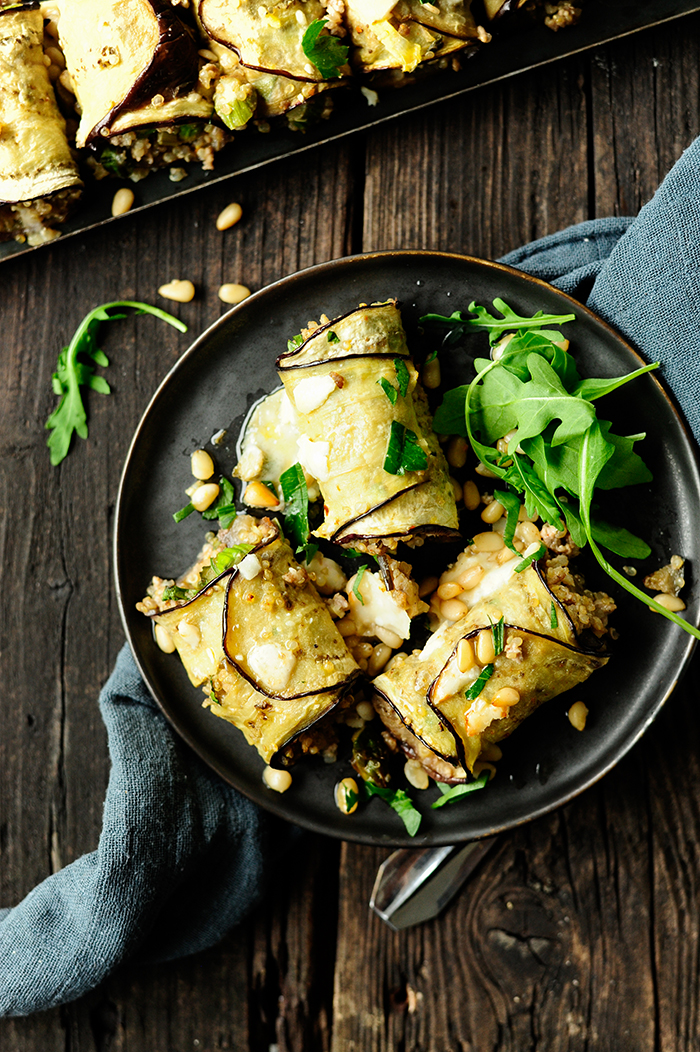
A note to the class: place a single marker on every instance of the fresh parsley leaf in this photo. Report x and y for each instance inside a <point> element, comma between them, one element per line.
<point>388,389</point>
<point>173,591</point>
<point>530,559</point>
<point>498,632</point>
<point>333,337</point>
<point>404,452</point>
<point>479,684</point>
<point>325,51</point>
<point>403,377</point>
<point>223,507</point>
<point>356,587</point>
<point>229,557</point>
<point>401,802</point>
<point>183,512</point>
<point>296,509</point>
<point>452,793</point>
<point>553,617</point>
<point>75,369</point>
<point>295,342</point>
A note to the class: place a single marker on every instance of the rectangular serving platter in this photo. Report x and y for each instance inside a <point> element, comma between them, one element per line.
<point>602,22</point>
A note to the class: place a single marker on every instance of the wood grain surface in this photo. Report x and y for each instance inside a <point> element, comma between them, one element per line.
<point>579,931</point>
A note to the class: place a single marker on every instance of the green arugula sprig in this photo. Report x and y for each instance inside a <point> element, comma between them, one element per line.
<point>324,50</point>
<point>558,452</point>
<point>76,368</point>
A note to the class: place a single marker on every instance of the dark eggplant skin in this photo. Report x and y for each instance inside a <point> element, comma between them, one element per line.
<point>172,72</point>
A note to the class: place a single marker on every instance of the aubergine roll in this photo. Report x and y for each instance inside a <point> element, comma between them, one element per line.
<point>39,181</point>
<point>366,433</point>
<point>478,677</point>
<point>143,92</point>
<point>260,638</point>
<point>406,34</point>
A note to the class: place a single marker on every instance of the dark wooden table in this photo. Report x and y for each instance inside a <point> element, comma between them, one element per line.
<point>581,930</point>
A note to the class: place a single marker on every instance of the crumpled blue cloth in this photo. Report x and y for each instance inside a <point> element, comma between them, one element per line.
<point>182,856</point>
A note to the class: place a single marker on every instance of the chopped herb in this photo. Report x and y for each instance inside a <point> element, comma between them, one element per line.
<point>479,684</point>
<point>536,555</point>
<point>296,510</point>
<point>325,51</point>
<point>353,552</point>
<point>229,557</point>
<point>212,695</point>
<point>498,632</point>
<point>75,369</point>
<point>401,802</point>
<point>294,343</point>
<point>356,587</point>
<point>173,591</point>
<point>403,377</point>
<point>553,618</point>
<point>388,389</point>
<point>223,507</point>
<point>188,131</point>
<point>351,798</point>
<point>404,452</point>
<point>511,502</point>
<point>183,512</point>
<point>333,337</point>
<point>452,793</point>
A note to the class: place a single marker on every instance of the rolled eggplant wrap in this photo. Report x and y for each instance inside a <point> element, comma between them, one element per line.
<point>353,432</point>
<point>140,84</point>
<point>477,678</point>
<point>406,34</point>
<point>39,180</point>
<point>262,639</point>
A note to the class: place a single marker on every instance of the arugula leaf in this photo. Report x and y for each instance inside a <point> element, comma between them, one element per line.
<point>479,684</point>
<point>388,389</point>
<point>449,417</point>
<point>496,327</point>
<point>325,51</point>
<point>404,452</point>
<point>403,377</point>
<point>452,793</point>
<point>296,510</point>
<point>591,389</point>
<point>74,372</point>
<point>401,802</point>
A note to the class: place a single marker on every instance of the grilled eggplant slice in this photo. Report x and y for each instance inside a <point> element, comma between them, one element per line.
<point>409,33</point>
<point>134,65</point>
<point>452,704</point>
<point>262,638</point>
<point>338,381</point>
<point>39,180</point>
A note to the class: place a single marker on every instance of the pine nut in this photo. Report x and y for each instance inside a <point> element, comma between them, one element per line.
<point>66,81</point>
<point>387,636</point>
<point>671,602</point>
<point>453,610</point>
<point>485,652</point>
<point>505,555</point>
<point>204,495</point>
<point>416,774</point>
<point>122,201</point>
<point>465,655</point>
<point>480,766</point>
<point>577,715</point>
<point>233,293</point>
<point>492,512</point>
<point>528,533</point>
<point>180,291</point>
<point>506,697</point>
<point>448,590</point>
<point>280,781</point>
<point>346,626</point>
<point>56,56</point>
<point>427,585</point>
<point>456,452</point>
<point>346,796</point>
<point>376,663</point>
<point>484,471</point>
<point>471,577</point>
<point>202,465</point>
<point>472,497</point>
<point>365,710</point>
<point>431,374</point>
<point>257,495</point>
<point>456,488</point>
<point>229,217</point>
<point>488,542</point>
<point>363,650</point>
<point>164,639</point>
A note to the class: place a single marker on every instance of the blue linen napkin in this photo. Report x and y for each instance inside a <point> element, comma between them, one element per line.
<point>169,823</point>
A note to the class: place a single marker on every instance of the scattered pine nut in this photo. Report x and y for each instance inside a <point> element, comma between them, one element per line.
<point>164,639</point>
<point>346,796</point>
<point>122,201</point>
<point>257,495</point>
<point>204,495</point>
<point>202,465</point>
<point>233,293</point>
<point>506,697</point>
<point>431,374</point>
<point>180,291</point>
<point>280,781</point>
<point>673,603</point>
<point>456,452</point>
<point>485,650</point>
<point>577,715</point>
<point>465,655</point>
<point>493,512</point>
<point>416,774</point>
<point>472,497</point>
<point>229,217</point>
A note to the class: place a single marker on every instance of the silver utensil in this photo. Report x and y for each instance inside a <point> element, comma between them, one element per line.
<point>414,885</point>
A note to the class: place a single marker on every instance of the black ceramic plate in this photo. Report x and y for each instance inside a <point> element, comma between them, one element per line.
<point>603,21</point>
<point>231,365</point>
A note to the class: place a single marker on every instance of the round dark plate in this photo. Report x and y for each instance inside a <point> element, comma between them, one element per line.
<point>231,365</point>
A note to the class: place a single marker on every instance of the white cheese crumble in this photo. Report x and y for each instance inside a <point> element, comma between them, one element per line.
<point>271,665</point>
<point>249,567</point>
<point>379,609</point>
<point>313,457</point>
<point>311,393</point>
